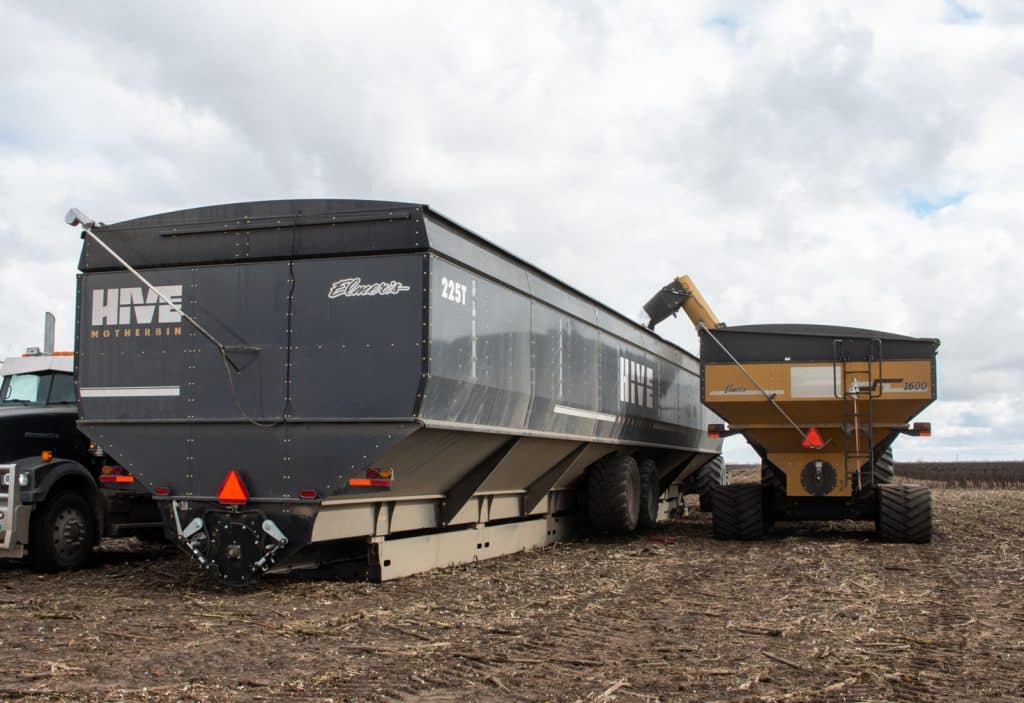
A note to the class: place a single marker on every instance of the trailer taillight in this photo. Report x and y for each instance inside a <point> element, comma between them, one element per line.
<point>115,474</point>
<point>307,494</point>
<point>232,491</point>
<point>162,491</point>
<point>375,478</point>
<point>715,430</point>
<point>922,429</point>
<point>113,478</point>
<point>370,482</point>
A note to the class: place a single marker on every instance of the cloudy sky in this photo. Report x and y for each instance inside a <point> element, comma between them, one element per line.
<point>853,163</point>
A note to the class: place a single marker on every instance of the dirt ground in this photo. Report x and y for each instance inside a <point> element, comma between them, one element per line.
<point>814,613</point>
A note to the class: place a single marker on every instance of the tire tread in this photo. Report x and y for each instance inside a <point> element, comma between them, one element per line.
<point>738,512</point>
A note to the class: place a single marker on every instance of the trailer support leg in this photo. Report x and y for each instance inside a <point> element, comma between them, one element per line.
<point>459,494</point>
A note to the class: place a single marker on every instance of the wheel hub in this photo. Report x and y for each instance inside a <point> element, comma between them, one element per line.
<point>69,532</point>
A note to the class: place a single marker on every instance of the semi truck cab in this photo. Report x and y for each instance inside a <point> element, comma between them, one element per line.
<point>59,493</point>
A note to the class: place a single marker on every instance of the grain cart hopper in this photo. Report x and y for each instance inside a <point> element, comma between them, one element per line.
<point>301,382</point>
<point>821,406</point>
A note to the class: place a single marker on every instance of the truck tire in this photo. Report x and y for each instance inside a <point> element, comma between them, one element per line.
<point>885,471</point>
<point>62,532</point>
<point>904,514</point>
<point>648,494</point>
<point>613,495</point>
<point>738,512</point>
<point>710,475</point>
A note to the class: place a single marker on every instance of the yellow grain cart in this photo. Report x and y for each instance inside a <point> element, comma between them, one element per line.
<point>821,405</point>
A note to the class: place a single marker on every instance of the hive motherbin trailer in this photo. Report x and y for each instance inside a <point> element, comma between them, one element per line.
<point>300,382</point>
<point>821,405</point>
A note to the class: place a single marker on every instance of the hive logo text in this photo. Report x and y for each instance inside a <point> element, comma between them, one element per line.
<point>636,383</point>
<point>135,312</point>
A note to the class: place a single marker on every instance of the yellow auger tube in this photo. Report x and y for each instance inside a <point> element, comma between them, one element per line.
<point>696,308</point>
<point>681,293</point>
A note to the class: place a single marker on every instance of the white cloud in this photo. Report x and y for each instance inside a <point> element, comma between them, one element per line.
<point>772,150</point>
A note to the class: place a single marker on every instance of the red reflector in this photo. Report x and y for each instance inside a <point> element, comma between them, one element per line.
<point>232,491</point>
<point>371,473</point>
<point>812,440</point>
<point>307,495</point>
<point>107,478</point>
<point>370,482</point>
<point>163,491</point>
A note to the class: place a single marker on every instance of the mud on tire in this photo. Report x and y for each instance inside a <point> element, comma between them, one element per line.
<point>904,514</point>
<point>613,495</point>
<point>62,532</point>
<point>738,512</point>
<point>648,494</point>
<point>709,476</point>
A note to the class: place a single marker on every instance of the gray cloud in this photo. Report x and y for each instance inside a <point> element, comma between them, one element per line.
<point>775,152</point>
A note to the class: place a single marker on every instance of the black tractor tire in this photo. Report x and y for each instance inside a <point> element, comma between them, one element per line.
<point>885,471</point>
<point>648,494</point>
<point>613,495</point>
<point>709,476</point>
<point>738,512</point>
<point>62,532</point>
<point>904,514</point>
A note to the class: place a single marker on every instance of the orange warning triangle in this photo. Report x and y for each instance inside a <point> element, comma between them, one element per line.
<point>232,491</point>
<point>812,440</point>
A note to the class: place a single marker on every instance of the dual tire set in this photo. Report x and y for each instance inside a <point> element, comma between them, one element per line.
<point>902,513</point>
<point>622,494</point>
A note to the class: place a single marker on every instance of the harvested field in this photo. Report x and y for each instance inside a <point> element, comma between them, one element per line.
<point>814,613</point>
<point>964,474</point>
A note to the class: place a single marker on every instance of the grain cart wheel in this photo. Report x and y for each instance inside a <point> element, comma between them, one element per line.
<point>62,533</point>
<point>885,472</point>
<point>904,514</point>
<point>613,495</point>
<point>710,475</point>
<point>648,494</point>
<point>738,512</point>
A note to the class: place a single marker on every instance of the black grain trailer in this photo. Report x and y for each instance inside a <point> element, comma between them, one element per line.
<point>306,381</point>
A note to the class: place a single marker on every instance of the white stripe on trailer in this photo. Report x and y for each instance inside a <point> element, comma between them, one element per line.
<point>748,392</point>
<point>589,414</point>
<point>131,392</point>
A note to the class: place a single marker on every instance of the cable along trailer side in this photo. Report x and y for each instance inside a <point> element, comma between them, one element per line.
<point>310,382</point>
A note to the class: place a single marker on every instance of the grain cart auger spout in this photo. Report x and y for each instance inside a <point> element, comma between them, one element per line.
<point>821,405</point>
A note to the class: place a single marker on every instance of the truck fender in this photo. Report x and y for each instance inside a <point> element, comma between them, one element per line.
<point>48,474</point>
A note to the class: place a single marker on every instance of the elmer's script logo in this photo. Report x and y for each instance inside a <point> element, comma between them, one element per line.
<point>134,312</point>
<point>355,288</point>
